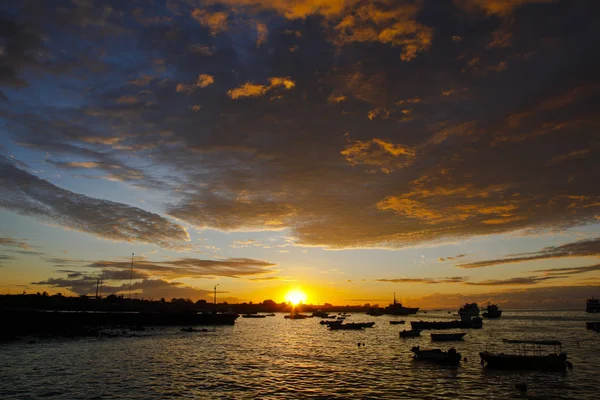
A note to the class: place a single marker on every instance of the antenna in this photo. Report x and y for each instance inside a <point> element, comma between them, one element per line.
<point>131,274</point>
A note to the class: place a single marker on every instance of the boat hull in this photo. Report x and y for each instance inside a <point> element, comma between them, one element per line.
<point>551,362</point>
<point>411,333</point>
<point>450,357</point>
<point>475,323</point>
<point>447,337</point>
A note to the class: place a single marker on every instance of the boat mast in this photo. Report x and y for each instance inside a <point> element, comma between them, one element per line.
<point>216,296</point>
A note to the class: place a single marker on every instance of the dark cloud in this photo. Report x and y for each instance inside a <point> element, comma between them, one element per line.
<point>393,134</point>
<point>557,272</point>
<point>526,280</point>
<point>454,279</point>
<point>7,241</point>
<point>176,268</point>
<point>27,194</point>
<point>4,257</point>
<point>582,248</point>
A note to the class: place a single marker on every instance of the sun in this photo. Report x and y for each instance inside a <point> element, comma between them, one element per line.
<point>296,296</point>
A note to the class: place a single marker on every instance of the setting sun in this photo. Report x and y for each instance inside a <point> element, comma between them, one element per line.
<point>296,296</point>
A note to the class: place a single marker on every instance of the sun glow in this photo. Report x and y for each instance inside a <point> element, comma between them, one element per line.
<point>296,296</point>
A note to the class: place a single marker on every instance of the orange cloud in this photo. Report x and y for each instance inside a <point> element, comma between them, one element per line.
<point>385,155</point>
<point>202,81</point>
<point>502,8</point>
<point>216,22</point>
<point>249,89</point>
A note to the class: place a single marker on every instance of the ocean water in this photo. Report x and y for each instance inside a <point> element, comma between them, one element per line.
<point>276,358</point>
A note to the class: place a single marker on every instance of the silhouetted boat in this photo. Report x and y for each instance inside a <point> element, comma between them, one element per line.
<point>450,357</point>
<point>592,325</point>
<point>446,337</point>
<point>529,356</point>
<point>398,309</point>
<point>322,314</point>
<point>469,310</point>
<point>269,315</point>
<point>465,323</point>
<point>253,316</point>
<point>410,333</point>
<point>331,322</point>
<point>492,311</point>
<point>296,316</point>
<point>392,322</point>
<point>592,305</point>
<point>375,312</point>
<point>352,326</point>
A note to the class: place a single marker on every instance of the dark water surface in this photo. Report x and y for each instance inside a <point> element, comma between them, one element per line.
<point>278,358</point>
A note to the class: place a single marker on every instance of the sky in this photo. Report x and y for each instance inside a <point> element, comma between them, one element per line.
<point>442,150</point>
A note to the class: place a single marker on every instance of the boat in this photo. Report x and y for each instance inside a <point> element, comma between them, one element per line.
<point>351,325</point>
<point>375,312</point>
<point>529,356</point>
<point>392,322</point>
<point>465,323</point>
<point>296,316</point>
<point>469,310</point>
<point>410,333</point>
<point>331,322</point>
<point>322,314</point>
<point>398,309</point>
<point>492,311</point>
<point>450,357</point>
<point>592,325</point>
<point>269,315</point>
<point>447,337</point>
<point>253,316</point>
<point>592,305</point>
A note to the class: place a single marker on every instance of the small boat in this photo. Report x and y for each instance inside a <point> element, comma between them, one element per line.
<point>592,325</point>
<point>464,323</point>
<point>322,314</point>
<point>375,312</point>
<point>450,357</point>
<point>296,316</point>
<point>351,326</point>
<point>592,305</point>
<point>397,322</point>
<point>446,337</point>
<point>492,311</point>
<point>253,316</point>
<point>469,310</point>
<point>529,356</point>
<point>410,333</point>
<point>269,315</point>
<point>329,322</point>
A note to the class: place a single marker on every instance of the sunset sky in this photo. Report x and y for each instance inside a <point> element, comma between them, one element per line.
<point>444,150</point>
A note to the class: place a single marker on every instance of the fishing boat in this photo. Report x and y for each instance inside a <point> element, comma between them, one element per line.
<point>469,310</point>
<point>398,309</point>
<point>492,311</point>
<point>296,316</point>
<point>447,337</point>
<point>450,357</point>
<point>331,322</point>
<point>253,316</point>
<point>392,322</point>
<point>410,333</point>
<point>529,355</point>
<point>592,305</point>
<point>350,326</point>
<point>322,314</point>
<point>464,323</point>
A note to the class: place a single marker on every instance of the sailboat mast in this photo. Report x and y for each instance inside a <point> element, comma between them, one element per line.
<point>131,274</point>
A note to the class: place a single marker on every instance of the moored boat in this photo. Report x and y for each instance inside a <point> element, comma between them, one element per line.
<point>529,356</point>
<point>492,311</point>
<point>331,322</point>
<point>592,305</point>
<point>465,323</point>
<point>296,316</point>
<point>253,316</point>
<point>375,312</point>
<point>469,310</point>
<point>592,325</point>
<point>446,337</point>
<point>392,322</point>
<point>410,333</point>
<point>322,314</point>
<point>398,309</point>
<point>450,357</point>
